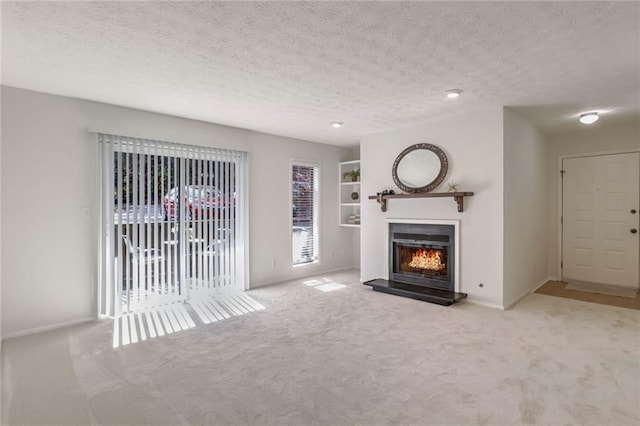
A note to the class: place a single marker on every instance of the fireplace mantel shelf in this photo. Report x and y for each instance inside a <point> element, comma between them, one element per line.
<point>457,196</point>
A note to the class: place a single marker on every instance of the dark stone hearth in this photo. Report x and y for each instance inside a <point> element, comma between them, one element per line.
<point>432,295</point>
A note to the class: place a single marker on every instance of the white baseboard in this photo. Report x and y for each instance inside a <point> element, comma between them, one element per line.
<point>527,292</point>
<point>473,301</point>
<point>541,283</point>
<point>330,271</point>
<point>312,273</point>
<point>46,328</point>
<point>362,280</point>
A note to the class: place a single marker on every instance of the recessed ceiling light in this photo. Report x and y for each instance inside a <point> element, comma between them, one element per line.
<point>336,124</point>
<point>453,93</point>
<point>589,117</point>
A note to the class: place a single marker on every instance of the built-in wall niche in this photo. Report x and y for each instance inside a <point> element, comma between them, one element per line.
<point>349,193</point>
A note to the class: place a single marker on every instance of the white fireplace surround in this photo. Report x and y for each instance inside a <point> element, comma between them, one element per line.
<point>456,254</point>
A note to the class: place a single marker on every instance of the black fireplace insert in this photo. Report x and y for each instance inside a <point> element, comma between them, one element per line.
<point>422,254</point>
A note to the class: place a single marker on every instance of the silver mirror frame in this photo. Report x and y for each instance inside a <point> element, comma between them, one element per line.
<point>444,167</point>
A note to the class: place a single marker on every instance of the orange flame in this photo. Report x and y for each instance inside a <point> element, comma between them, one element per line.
<point>427,259</point>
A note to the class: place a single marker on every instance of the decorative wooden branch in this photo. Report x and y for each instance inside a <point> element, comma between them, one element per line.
<point>457,196</point>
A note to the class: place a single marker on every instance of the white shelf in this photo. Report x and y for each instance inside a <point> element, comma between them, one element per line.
<point>347,206</point>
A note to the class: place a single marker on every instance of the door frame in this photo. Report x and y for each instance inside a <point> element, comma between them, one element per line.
<point>560,242</point>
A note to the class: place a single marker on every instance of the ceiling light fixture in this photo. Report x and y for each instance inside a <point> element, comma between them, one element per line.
<point>589,117</point>
<point>336,124</point>
<point>453,93</point>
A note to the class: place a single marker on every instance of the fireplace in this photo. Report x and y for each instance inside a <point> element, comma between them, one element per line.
<point>422,261</point>
<point>422,254</point>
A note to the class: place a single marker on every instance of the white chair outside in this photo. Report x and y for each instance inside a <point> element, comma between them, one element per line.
<point>142,257</point>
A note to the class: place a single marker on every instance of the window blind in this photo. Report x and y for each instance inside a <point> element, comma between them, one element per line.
<point>304,213</point>
<point>173,223</point>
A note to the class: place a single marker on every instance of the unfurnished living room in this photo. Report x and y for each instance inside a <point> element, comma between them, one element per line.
<point>320,213</point>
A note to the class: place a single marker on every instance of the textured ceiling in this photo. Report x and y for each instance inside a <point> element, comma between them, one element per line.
<point>290,68</point>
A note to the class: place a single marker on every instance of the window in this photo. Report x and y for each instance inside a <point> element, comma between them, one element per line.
<point>305,193</point>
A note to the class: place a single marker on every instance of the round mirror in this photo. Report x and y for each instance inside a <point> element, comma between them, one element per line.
<point>420,168</point>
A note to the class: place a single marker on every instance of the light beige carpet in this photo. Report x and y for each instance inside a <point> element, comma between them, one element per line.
<point>611,290</point>
<point>333,352</point>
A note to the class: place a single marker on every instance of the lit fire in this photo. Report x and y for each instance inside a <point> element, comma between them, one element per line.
<point>427,259</point>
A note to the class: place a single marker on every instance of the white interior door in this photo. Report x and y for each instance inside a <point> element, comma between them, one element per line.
<point>600,206</point>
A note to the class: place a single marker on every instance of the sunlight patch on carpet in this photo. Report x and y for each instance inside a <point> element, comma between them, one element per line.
<point>217,307</point>
<point>140,326</point>
<point>149,324</point>
<point>324,284</point>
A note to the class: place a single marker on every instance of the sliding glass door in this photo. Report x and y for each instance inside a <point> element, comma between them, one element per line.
<point>173,223</point>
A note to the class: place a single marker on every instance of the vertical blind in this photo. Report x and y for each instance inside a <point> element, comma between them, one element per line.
<point>173,223</point>
<point>304,213</point>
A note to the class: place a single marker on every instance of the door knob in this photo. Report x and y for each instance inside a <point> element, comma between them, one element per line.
<point>634,230</point>
<point>633,211</point>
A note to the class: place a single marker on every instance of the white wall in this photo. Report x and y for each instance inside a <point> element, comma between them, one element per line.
<point>0,242</point>
<point>596,138</point>
<point>355,232</point>
<point>474,146</point>
<point>269,163</point>
<point>49,175</point>
<point>525,207</point>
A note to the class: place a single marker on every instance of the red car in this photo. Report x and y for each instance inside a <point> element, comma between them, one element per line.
<point>202,201</point>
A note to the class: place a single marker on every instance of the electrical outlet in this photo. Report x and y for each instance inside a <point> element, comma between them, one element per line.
<point>273,262</point>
